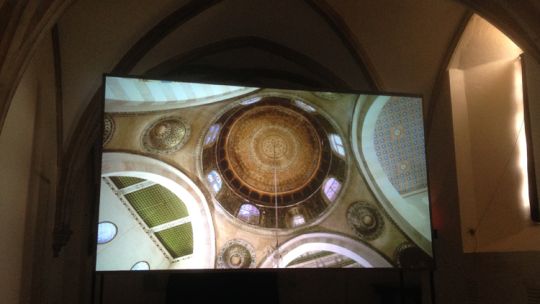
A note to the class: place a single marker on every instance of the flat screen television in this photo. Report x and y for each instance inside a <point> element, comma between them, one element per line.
<point>211,176</point>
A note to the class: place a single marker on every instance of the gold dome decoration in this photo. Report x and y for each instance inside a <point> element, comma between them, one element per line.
<point>273,139</point>
<point>275,156</point>
<point>270,149</point>
<point>166,135</point>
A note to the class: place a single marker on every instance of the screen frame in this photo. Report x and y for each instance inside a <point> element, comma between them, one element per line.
<point>430,267</point>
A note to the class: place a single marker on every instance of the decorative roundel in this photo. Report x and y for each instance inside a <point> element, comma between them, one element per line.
<point>366,221</point>
<point>408,255</point>
<point>166,135</point>
<point>236,254</point>
<point>108,128</point>
<point>328,95</point>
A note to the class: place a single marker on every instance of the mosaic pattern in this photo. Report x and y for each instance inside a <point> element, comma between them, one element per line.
<point>108,128</point>
<point>399,144</point>
<point>236,254</point>
<point>166,135</point>
<point>366,221</point>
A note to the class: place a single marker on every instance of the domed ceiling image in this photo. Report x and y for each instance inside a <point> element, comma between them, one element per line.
<point>208,176</point>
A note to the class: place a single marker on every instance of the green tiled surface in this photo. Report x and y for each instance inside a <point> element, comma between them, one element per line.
<point>177,240</point>
<point>157,205</point>
<point>125,181</point>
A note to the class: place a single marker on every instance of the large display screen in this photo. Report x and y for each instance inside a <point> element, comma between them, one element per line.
<point>206,176</point>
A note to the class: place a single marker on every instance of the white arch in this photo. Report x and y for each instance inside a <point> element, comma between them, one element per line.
<point>416,224</point>
<point>322,241</point>
<point>125,164</point>
<point>141,95</point>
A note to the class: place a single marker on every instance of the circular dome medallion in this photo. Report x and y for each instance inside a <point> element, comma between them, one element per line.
<point>166,135</point>
<point>365,220</point>
<point>272,148</point>
<point>236,254</point>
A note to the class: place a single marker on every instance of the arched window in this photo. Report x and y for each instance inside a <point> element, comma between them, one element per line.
<point>331,188</point>
<point>215,181</point>
<point>140,265</point>
<point>106,232</point>
<point>337,144</point>
<point>250,100</point>
<point>298,220</point>
<point>249,214</point>
<point>304,106</point>
<point>212,134</point>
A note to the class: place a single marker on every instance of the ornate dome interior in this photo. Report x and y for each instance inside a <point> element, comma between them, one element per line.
<point>279,176</point>
<point>275,155</point>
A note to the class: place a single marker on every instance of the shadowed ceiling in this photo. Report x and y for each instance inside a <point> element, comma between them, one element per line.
<point>341,44</point>
<point>382,38</point>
